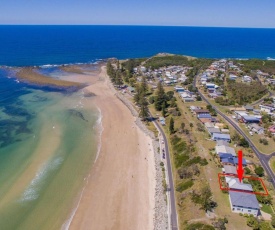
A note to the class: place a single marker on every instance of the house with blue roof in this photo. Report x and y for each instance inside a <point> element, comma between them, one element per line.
<point>251,119</point>
<point>231,160</point>
<point>221,137</point>
<point>204,116</point>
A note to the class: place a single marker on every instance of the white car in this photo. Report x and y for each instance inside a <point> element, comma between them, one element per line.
<point>251,133</point>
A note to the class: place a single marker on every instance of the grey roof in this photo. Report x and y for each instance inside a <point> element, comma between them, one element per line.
<point>229,169</point>
<point>242,199</point>
<point>256,127</point>
<point>221,136</point>
<point>225,149</point>
<point>214,130</point>
<point>249,107</point>
<point>235,184</point>
<point>221,142</point>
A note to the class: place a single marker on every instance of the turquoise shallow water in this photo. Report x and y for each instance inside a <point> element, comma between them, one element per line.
<point>48,143</point>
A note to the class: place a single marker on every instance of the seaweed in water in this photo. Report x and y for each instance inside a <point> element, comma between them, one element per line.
<point>38,98</point>
<point>76,113</point>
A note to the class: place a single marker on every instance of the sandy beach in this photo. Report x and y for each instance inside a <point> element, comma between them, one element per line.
<point>120,190</point>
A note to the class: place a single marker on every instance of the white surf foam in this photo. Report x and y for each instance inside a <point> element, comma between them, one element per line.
<point>32,191</point>
<point>67,224</point>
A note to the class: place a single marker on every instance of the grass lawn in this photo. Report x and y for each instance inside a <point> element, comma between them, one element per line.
<point>267,209</point>
<point>210,171</point>
<point>272,163</point>
<point>265,149</point>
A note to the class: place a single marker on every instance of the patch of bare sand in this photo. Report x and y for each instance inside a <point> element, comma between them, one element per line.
<point>48,143</point>
<point>121,187</point>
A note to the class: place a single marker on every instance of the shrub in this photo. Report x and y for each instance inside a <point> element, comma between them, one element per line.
<point>184,185</point>
<point>259,171</point>
<point>201,226</point>
<point>247,170</point>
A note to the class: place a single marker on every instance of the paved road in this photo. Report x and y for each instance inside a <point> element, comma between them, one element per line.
<point>173,217</point>
<point>270,94</point>
<point>262,157</point>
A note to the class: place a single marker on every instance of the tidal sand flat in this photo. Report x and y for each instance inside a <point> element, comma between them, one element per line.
<point>61,168</point>
<point>48,143</point>
<point>28,74</point>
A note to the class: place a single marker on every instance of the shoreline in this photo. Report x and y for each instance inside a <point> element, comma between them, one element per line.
<point>160,216</point>
<point>142,203</point>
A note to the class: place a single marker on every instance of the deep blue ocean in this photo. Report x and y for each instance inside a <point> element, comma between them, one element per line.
<point>41,45</point>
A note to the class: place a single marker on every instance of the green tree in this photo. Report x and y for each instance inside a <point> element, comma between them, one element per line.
<point>118,79</point>
<point>160,98</point>
<point>243,142</point>
<point>110,71</point>
<point>204,198</point>
<point>264,199</point>
<point>132,81</point>
<point>259,171</point>
<point>130,65</point>
<point>137,95</point>
<point>163,109</point>
<point>182,125</point>
<point>151,99</point>
<point>273,221</point>
<point>144,85</point>
<point>253,222</point>
<point>170,95</point>
<point>247,170</point>
<point>144,111</point>
<point>171,126</point>
<point>191,125</point>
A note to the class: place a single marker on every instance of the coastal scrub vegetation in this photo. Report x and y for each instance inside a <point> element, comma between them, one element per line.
<point>168,60</point>
<point>241,93</point>
<point>257,64</point>
<point>200,226</point>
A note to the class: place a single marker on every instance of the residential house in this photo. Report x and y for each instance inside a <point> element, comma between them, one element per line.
<point>249,108</point>
<point>245,203</point>
<point>251,119</point>
<point>247,79</point>
<point>225,149</point>
<point>201,111</point>
<point>188,99</point>
<point>267,108</point>
<point>179,89</point>
<point>211,131</point>
<point>210,85</point>
<point>230,170</point>
<point>245,118</point>
<point>204,116</point>
<point>256,128</point>
<point>220,142</point>
<point>235,185</point>
<point>221,136</point>
<point>226,159</point>
<point>233,77</point>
